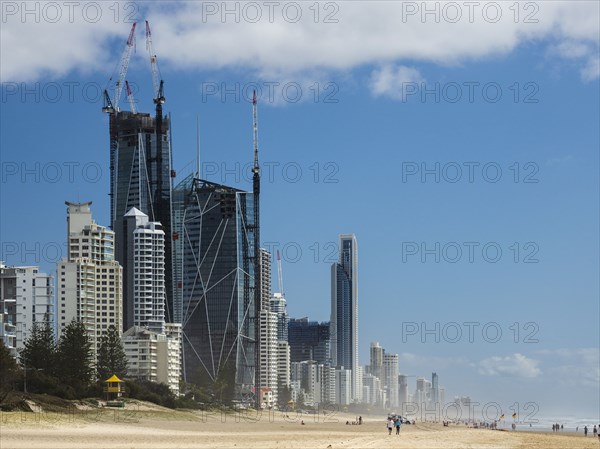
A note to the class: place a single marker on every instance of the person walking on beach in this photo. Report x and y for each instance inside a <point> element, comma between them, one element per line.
<point>595,430</point>
<point>398,423</point>
<point>585,431</point>
<point>390,425</point>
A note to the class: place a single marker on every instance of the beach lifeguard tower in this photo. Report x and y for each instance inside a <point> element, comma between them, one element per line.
<point>114,389</point>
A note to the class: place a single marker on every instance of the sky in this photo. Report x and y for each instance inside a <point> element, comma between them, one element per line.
<point>458,141</point>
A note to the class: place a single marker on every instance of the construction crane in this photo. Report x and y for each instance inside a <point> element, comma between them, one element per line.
<point>113,106</point>
<point>130,97</point>
<point>156,81</point>
<point>280,275</point>
<point>256,228</point>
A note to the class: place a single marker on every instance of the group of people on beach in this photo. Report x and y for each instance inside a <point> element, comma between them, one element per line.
<point>394,421</point>
<point>585,430</point>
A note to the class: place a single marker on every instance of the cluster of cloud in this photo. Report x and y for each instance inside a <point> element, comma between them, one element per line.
<point>575,367</point>
<point>271,38</point>
<point>514,365</point>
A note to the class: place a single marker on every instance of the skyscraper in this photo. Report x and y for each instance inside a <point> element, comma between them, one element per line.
<point>218,285</point>
<point>377,360</point>
<point>89,279</point>
<point>265,279</point>
<point>390,370</point>
<point>26,298</point>
<point>344,309</point>
<point>142,250</point>
<point>403,398</point>
<point>279,308</point>
<point>268,331</point>
<point>141,177</point>
<point>435,388</point>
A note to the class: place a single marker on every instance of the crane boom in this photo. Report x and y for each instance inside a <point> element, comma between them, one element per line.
<point>123,66</point>
<point>130,98</point>
<point>156,82</point>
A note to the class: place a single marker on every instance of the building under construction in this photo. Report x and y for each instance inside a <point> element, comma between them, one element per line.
<point>141,173</point>
<point>212,245</point>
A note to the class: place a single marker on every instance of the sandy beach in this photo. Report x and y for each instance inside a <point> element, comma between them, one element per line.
<point>143,428</point>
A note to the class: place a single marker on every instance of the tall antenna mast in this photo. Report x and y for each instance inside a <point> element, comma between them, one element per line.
<point>280,275</point>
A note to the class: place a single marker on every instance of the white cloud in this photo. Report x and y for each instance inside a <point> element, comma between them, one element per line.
<point>584,54</point>
<point>366,33</point>
<point>391,80</point>
<point>591,71</point>
<point>574,367</point>
<point>34,48</point>
<point>409,361</point>
<point>516,365</point>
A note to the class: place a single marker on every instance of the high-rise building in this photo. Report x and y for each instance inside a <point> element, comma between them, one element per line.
<point>283,363</point>
<point>268,331</point>
<point>344,309</point>
<point>390,372</point>
<point>309,340</point>
<point>373,384</point>
<point>26,298</point>
<point>141,177</point>
<point>343,386</point>
<point>89,279</point>
<point>423,392</point>
<point>217,257</point>
<point>279,307</point>
<point>142,250</point>
<point>269,352</point>
<point>265,279</point>
<point>435,388</point>
<point>376,361</point>
<point>403,398</point>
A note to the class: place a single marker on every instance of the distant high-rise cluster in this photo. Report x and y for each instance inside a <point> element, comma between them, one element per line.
<point>180,273</point>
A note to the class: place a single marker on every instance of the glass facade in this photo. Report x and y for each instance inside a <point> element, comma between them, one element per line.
<point>216,251</point>
<point>344,310</point>
<point>308,340</point>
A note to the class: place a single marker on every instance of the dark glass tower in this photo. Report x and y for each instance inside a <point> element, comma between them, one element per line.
<point>141,177</point>
<point>344,309</point>
<point>215,247</point>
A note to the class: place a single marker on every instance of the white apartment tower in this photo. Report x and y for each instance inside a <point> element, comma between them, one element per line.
<point>26,297</point>
<point>390,371</point>
<point>144,272</point>
<point>89,279</point>
<point>269,353</point>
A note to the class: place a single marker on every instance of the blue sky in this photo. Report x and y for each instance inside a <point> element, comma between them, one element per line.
<point>362,145</point>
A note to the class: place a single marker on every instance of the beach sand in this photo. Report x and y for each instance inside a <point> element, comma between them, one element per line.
<point>143,428</point>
